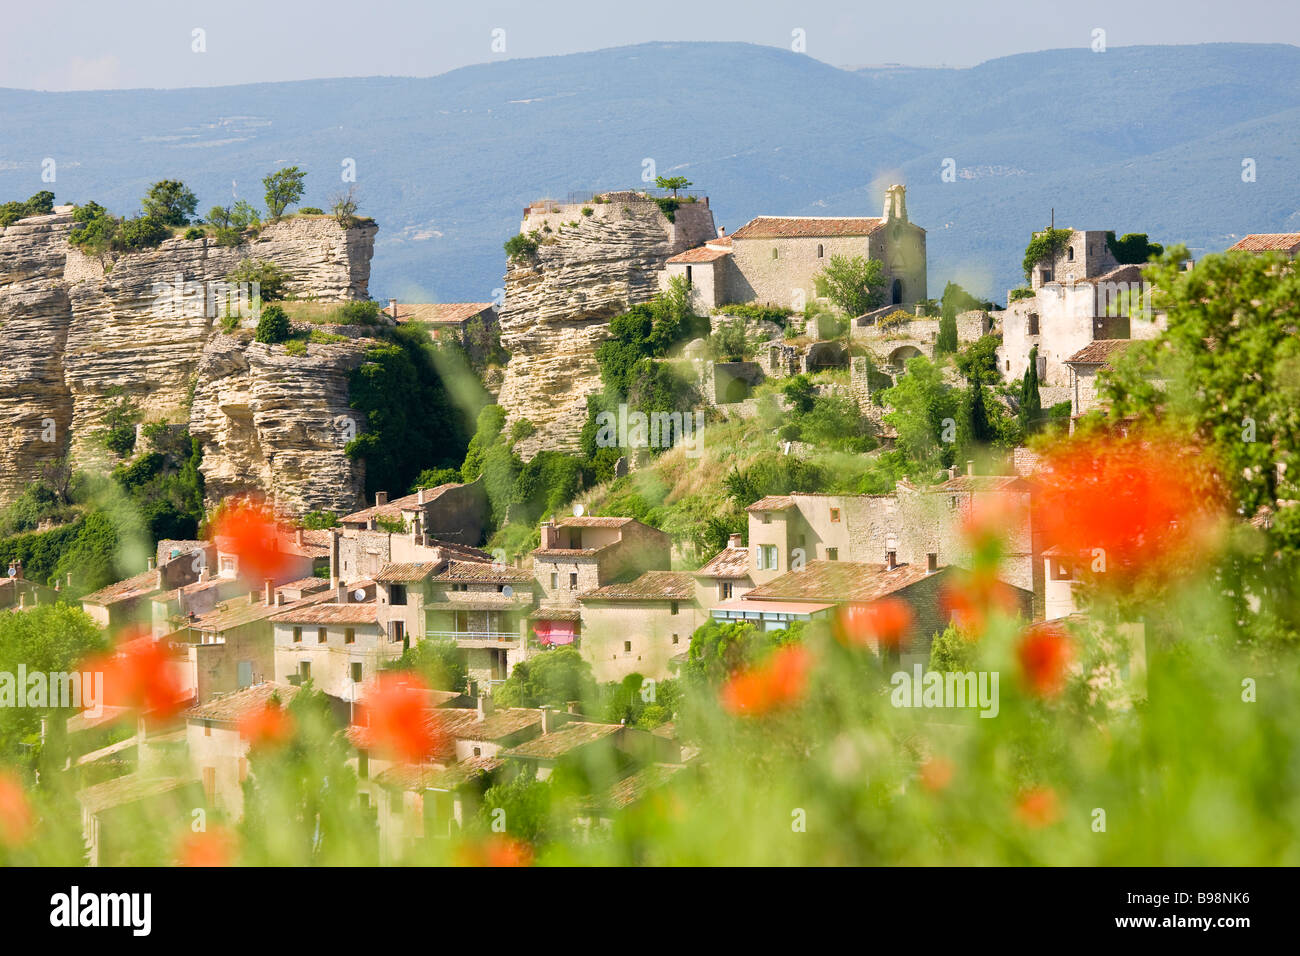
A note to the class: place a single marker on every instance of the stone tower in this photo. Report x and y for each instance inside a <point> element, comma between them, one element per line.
<point>895,203</point>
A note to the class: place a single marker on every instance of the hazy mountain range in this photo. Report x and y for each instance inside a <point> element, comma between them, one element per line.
<point>1146,139</point>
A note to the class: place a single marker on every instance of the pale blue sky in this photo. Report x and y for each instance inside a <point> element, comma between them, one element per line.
<point>90,44</point>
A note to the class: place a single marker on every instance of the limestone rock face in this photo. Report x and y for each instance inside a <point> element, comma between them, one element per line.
<point>81,334</point>
<point>558,304</point>
<point>279,423</point>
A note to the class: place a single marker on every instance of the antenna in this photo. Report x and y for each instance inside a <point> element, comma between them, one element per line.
<point>1053,225</point>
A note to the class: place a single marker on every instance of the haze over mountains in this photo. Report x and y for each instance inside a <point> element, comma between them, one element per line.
<point>1146,139</point>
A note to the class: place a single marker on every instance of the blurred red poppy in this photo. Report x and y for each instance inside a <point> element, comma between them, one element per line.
<point>1130,508</point>
<point>496,850</point>
<point>883,624</point>
<point>394,718</point>
<point>246,528</point>
<point>1044,653</point>
<point>970,597</point>
<point>777,682</point>
<point>1038,807</point>
<point>140,673</point>
<point>15,812</point>
<point>267,726</point>
<point>936,773</point>
<point>214,847</point>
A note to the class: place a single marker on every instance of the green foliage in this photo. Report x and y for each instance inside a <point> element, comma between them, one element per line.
<point>273,325</point>
<point>625,702</point>
<point>952,650</point>
<point>170,202</point>
<point>37,503</point>
<point>798,390</point>
<point>295,347</point>
<point>40,552</point>
<point>721,648</point>
<point>310,211</point>
<point>554,678</point>
<point>411,421</point>
<point>1031,401</point>
<point>433,477</point>
<point>41,204</point>
<point>923,410</point>
<point>118,433</point>
<point>1024,292</point>
<point>194,233</point>
<point>146,232</point>
<point>319,520</point>
<point>774,474</point>
<point>527,805</point>
<point>756,312</point>
<point>854,283</point>
<point>1133,248</point>
<point>283,188</point>
<point>545,484</point>
<point>946,342</point>
<point>265,276</point>
<point>521,247</point>
<point>491,420</point>
<point>343,208</point>
<point>440,663</point>
<point>92,556</point>
<point>980,359</point>
<point>1045,245</point>
<point>231,222</point>
<point>362,312</point>
<point>672,182</point>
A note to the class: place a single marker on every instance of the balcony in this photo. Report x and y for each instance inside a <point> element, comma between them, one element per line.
<point>475,638</point>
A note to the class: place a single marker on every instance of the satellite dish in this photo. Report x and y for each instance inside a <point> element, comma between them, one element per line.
<point>359,594</point>
<point>578,511</point>
<point>508,591</point>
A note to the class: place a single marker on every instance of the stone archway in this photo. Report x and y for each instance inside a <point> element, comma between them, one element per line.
<point>900,356</point>
<point>896,292</point>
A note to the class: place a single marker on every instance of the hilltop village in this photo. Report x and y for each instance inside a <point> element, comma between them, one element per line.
<point>796,316</point>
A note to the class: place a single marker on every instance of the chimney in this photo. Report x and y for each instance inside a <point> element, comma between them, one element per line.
<point>733,541</point>
<point>341,594</point>
<point>419,496</point>
<point>891,560</point>
<point>203,573</point>
<point>722,231</point>
<point>970,467</point>
<point>548,534</point>
<point>548,718</point>
<point>471,688</point>
<point>297,537</point>
<point>22,600</point>
<point>268,592</point>
<point>931,563</point>
<point>572,706</point>
<point>381,498</point>
<point>392,304</point>
<point>483,704</point>
<point>150,564</point>
<point>334,557</point>
<point>18,572</point>
<point>279,598</point>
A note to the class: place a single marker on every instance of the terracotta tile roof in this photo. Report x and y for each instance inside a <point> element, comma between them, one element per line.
<point>482,601</point>
<point>649,586</point>
<point>463,723</point>
<point>567,737</point>
<point>146,582</point>
<point>727,563</point>
<point>484,572</point>
<point>229,708</point>
<point>451,777</point>
<point>127,789</point>
<point>721,242</point>
<point>632,788</point>
<point>310,585</point>
<point>239,611</point>
<point>163,552</point>
<point>556,614</point>
<point>793,227</point>
<point>772,503</point>
<point>396,506</point>
<point>593,521</point>
<point>439,313</point>
<point>1268,242</point>
<point>1099,352</point>
<point>568,552</point>
<point>407,573</point>
<point>839,582</point>
<point>983,483</point>
<point>329,614</point>
<point>703,253</point>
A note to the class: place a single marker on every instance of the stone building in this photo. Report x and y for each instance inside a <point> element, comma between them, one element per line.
<point>581,554</point>
<point>639,626</point>
<point>775,259</point>
<point>337,646</point>
<point>1284,242</point>
<point>1084,366</point>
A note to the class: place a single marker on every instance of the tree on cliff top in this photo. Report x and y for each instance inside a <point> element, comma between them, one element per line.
<point>283,187</point>
<point>170,202</point>
<point>672,182</point>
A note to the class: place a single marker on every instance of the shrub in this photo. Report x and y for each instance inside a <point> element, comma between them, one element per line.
<point>310,211</point>
<point>318,520</point>
<point>268,278</point>
<point>755,312</point>
<point>170,202</point>
<point>143,233</point>
<point>365,312</point>
<point>42,204</point>
<point>521,247</point>
<point>587,210</point>
<point>1047,244</point>
<point>194,233</point>
<point>295,347</point>
<point>273,325</point>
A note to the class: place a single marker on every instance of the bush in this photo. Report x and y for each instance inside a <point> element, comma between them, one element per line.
<point>587,210</point>
<point>146,232</point>
<point>295,347</point>
<point>42,204</point>
<point>365,312</point>
<point>310,211</point>
<point>262,274</point>
<point>194,233</point>
<point>170,202</point>
<point>273,326</point>
<point>521,247</point>
<point>756,312</point>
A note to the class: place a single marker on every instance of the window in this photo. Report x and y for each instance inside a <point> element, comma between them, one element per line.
<point>363,764</point>
<point>1046,275</point>
<point>952,503</point>
<point>832,554</point>
<point>349,635</point>
<point>573,581</point>
<point>1033,323</point>
<point>767,557</point>
<point>820,251</point>
<point>835,515</point>
<point>674,608</point>
<point>774,252</point>
<point>932,562</point>
<point>297,635</point>
<point>322,635</point>
<point>356,672</point>
<point>724,590</point>
<point>399,631</point>
<point>501,588</point>
<point>676,639</point>
<point>1069,253</point>
<point>207,728</point>
<point>688,275</point>
<point>555,580</point>
<point>397,594</point>
<point>767,518</point>
<point>478,751</point>
<point>304,670</point>
<point>627,647</point>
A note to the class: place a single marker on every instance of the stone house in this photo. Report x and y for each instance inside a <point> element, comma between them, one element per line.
<point>787,531</point>
<point>301,554</point>
<point>337,646</point>
<point>129,601</point>
<point>430,525</point>
<point>638,626</point>
<point>1284,242</point>
<point>1084,366</point>
<point>218,751</point>
<point>581,554</point>
<point>725,575</point>
<point>775,259</point>
<point>446,321</point>
<point>116,811</point>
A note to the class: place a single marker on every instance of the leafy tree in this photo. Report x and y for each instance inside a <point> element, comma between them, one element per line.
<point>672,182</point>
<point>273,325</point>
<point>527,805</point>
<point>491,420</point>
<point>319,520</point>
<point>440,663</point>
<point>433,477</point>
<point>283,188</point>
<point>727,341</point>
<point>798,391</point>
<point>1133,248</point>
<point>952,650</point>
<point>980,359</point>
<point>344,208</point>
<point>92,556</point>
<point>854,283</point>
<point>145,232</point>
<point>923,410</point>
<point>1031,401</point>
<point>554,678</point>
<point>170,202</point>
<point>975,429</point>
<point>41,204</point>
<point>265,276</point>
<point>520,247</point>
<point>719,649</point>
<point>946,342</point>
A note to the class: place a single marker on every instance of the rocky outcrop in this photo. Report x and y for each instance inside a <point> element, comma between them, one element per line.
<point>83,334</point>
<point>278,422</point>
<point>558,303</point>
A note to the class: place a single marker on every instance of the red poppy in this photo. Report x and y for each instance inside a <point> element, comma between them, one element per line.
<point>936,773</point>
<point>15,812</point>
<point>394,718</point>
<point>140,674</point>
<point>497,850</point>
<point>269,725</point>
<point>215,847</point>
<point>776,683</point>
<point>1038,807</point>
<point>246,528</point>
<point>989,524</point>
<point>1044,653</point>
<point>1130,508</point>
<point>883,624</point>
<point>971,597</point>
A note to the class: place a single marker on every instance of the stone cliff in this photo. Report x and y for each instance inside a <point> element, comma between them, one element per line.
<point>558,303</point>
<point>82,334</point>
